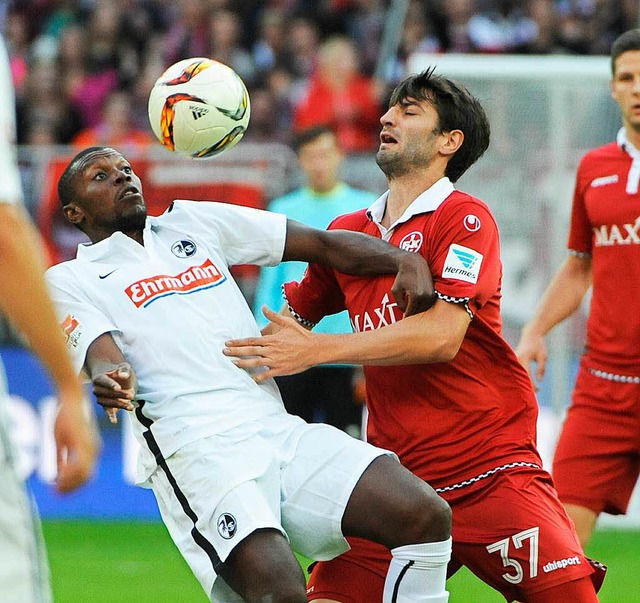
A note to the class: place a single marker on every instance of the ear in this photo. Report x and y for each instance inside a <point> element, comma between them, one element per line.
<point>73,213</point>
<point>451,142</point>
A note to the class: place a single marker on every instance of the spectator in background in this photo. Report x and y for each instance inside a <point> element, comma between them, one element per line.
<point>224,38</point>
<point>365,26</point>
<point>189,34</point>
<point>115,127</point>
<point>340,97</point>
<point>268,48</point>
<point>457,13</point>
<point>323,393</point>
<point>301,48</point>
<point>264,126</point>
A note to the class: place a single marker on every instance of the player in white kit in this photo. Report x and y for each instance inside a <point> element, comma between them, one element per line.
<point>24,574</point>
<point>149,306</point>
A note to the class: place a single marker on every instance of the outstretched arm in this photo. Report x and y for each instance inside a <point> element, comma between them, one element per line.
<point>561,299</point>
<point>356,253</point>
<point>114,382</point>
<point>25,301</point>
<point>432,336</point>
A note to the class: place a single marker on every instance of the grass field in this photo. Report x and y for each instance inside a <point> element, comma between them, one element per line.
<point>137,562</point>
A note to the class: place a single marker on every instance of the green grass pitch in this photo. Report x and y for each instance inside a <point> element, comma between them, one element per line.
<point>121,562</point>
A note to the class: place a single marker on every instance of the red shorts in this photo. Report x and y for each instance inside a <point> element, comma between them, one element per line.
<point>597,459</point>
<point>510,530</point>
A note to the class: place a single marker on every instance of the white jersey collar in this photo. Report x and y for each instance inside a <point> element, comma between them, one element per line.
<point>427,201</point>
<point>634,171</point>
<point>111,246</point>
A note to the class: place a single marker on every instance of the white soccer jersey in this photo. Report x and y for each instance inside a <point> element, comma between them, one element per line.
<point>171,305</point>
<point>10,187</point>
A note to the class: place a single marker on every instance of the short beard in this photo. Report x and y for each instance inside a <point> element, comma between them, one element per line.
<point>392,165</point>
<point>132,222</point>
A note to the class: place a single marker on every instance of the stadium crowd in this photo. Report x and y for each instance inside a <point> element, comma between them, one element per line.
<point>83,68</point>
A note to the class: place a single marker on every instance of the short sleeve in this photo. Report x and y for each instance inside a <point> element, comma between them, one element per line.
<point>465,254</point>
<point>244,235</point>
<point>317,295</point>
<point>580,235</point>
<point>81,322</point>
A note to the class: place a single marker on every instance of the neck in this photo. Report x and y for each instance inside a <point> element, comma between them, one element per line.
<point>633,136</point>
<point>403,191</point>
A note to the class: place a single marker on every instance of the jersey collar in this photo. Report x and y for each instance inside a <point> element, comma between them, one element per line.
<point>634,172</point>
<point>118,244</point>
<point>426,202</point>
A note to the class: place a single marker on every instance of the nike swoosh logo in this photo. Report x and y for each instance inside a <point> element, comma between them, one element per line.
<point>108,273</point>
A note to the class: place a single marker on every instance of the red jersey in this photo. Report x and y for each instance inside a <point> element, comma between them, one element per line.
<point>450,423</point>
<point>605,223</point>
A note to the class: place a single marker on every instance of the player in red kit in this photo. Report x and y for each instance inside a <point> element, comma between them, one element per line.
<point>444,389</point>
<point>596,463</point>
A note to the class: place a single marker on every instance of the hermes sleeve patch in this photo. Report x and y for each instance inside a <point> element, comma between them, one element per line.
<point>462,264</point>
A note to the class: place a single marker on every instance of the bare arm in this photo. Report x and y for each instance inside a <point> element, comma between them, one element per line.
<point>431,336</point>
<point>561,299</point>
<point>114,382</point>
<point>25,301</point>
<point>356,253</point>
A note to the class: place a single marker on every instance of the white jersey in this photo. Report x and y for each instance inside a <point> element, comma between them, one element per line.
<point>171,305</point>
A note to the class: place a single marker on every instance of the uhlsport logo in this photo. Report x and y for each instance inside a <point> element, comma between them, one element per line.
<point>197,278</point>
<point>472,223</point>
<point>462,263</point>
<point>552,566</point>
<point>412,241</point>
<point>184,249</point>
<point>227,526</point>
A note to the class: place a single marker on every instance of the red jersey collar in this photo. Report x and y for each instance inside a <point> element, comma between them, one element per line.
<point>427,201</point>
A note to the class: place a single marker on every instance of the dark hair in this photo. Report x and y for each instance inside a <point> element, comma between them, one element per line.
<point>65,184</point>
<point>629,40</point>
<point>457,109</point>
<point>308,135</point>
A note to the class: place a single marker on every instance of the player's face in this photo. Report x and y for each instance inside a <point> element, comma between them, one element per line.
<point>320,160</point>
<point>108,195</point>
<point>409,138</point>
<point>625,88</point>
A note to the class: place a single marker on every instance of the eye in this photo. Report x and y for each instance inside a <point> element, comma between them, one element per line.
<point>127,169</point>
<point>99,176</point>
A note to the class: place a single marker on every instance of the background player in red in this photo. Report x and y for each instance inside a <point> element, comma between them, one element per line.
<point>444,389</point>
<point>597,460</point>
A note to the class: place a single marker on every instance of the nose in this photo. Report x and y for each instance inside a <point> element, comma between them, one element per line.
<point>121,177</point>
<point>387,118</point>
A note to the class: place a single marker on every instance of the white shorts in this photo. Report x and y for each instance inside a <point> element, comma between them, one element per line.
<point>24,572</point>
<point>279,473</point>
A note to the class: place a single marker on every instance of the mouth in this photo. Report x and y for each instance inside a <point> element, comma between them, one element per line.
<point>128,192</point>
<point>387,139</point>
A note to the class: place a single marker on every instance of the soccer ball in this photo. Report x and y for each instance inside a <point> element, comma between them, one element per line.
<point>199,107</point>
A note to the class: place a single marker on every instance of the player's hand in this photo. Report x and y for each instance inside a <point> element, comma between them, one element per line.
<point>413,286</point>
<point>532,348</point>
<point>286,351</point>
<point>116,389</point>
<point>77,443</point>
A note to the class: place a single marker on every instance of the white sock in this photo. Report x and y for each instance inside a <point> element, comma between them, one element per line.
<point>418,573</point>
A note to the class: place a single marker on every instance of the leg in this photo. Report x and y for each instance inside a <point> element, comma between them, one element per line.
<point>579,591</point>
<point>584,520</point>
<point>393,507</point>
<point>263,568</point>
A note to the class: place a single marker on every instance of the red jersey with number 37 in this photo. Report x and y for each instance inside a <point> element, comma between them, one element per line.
<point>448,422</point>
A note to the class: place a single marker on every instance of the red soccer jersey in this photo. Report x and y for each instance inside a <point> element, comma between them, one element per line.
<point>448,422</point>
<point>605,223</point>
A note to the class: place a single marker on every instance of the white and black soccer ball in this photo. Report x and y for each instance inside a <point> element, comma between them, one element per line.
<point>199,107</point>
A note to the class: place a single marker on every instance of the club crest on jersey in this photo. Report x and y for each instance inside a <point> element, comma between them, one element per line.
<point>412,241</point>
<point>472,223</point>
<point>72,330</point>
<point>227,526</point>
<point>184,248</point>
<point>462,264</point>
<point>196,278</point>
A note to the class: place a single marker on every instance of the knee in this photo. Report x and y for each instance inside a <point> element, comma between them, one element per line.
<point>275,587</point>
<point>428,517</point>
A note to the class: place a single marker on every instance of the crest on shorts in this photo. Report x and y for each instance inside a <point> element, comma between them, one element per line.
<point>227,526</point>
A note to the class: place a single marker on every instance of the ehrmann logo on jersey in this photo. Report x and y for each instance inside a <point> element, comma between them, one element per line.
<point>196,278</point>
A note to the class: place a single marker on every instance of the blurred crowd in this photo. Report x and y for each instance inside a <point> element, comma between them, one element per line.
<point>83,68</point>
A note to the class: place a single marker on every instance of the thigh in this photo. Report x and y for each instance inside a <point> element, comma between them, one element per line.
<point>515,535</point>
<point>597,459</point>
<point>321,467</point>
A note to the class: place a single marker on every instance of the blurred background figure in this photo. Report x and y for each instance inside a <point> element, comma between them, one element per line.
<point>325,393</point>
<point>341,97</point>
